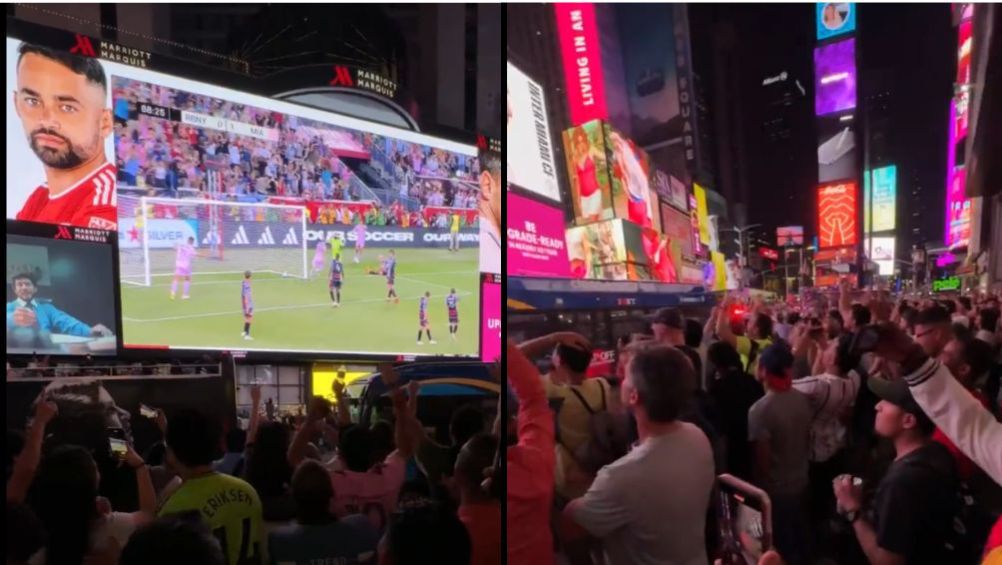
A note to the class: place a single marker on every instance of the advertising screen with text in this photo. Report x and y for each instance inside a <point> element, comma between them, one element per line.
<point>835,18</point>
<point>490,332</point>
<point>581,52</point>
<point>837,214</point>
<point>536,243</point>
<point>884,198</point>
<point>530,160</point>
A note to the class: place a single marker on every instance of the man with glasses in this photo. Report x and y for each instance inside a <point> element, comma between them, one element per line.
<point>932,330</point>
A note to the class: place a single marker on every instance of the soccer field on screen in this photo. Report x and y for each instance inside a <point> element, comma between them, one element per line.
<point>295,314</point>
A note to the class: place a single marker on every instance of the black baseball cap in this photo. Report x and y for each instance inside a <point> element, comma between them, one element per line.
<point>670,317</point>
<point>897,393</point>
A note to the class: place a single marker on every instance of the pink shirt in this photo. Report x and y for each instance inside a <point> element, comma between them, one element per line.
<point>373,493</point>
<point>185,253</point>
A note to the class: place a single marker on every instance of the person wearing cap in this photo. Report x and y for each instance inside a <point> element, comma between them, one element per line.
<point>759,335</point>
<point>577,398</point>
<point>668,327</point>
<point>779,427</point>
<point>910,518</point>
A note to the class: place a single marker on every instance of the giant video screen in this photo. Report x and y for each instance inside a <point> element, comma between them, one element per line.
<point>248,223</point>
<point>531,162</point>
<point>835,77</point>
<point>60,290</point>
<point>837,214</point>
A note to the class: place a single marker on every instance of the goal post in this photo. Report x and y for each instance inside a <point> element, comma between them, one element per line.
<point>230,237</point>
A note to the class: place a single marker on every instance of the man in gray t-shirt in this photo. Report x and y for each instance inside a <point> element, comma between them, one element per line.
<point>650,506</point>
<point>779,427</point>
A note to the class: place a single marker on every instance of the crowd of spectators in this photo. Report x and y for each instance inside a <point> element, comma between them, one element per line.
<point>292,157</point>
<point>316,487</point>
<point>872,425</point>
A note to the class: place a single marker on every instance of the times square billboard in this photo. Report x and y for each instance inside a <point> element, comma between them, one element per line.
<point>835,77</point>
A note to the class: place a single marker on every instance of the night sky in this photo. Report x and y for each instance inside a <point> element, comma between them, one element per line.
<point>912,45</point>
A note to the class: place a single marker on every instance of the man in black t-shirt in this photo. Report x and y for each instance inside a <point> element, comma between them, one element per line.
<point>668,327</point>
<point>910,518</point>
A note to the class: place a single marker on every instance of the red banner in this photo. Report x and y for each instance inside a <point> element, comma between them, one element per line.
<point>582,56</point>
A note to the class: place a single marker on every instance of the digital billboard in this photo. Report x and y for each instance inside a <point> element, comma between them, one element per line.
<point>835,77</point>
<point>835,18</point>
<point>611,250</point>
<point>882,253</point>
<point>884,199</point>
<point>581,51</point>
<point>661,255</point>
<point>588,171</point>
<point>702,214</point>
<point>958,206</point>
<point>836,148</point>
<point>677,227</point>
<point>697,247</point>
<point>210,183</point>
<point>490,206</point>
<point>633,196</point>
<point>790,236</point>
<point>60,290</point>
<point>490,318</point>
<point>531,163</point>
<point>837,214</point>
<point>671,190</point>
<point>536,241</point>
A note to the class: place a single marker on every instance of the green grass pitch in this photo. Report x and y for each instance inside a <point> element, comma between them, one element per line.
<point>297,315</point>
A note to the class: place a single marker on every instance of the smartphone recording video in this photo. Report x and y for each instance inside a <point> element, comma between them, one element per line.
<point>118,447</point>
<point>745,521</point>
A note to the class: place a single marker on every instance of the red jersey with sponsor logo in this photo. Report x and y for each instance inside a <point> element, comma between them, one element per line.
<point>90,203</point>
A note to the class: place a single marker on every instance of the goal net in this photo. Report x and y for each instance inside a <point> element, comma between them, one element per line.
<point>230,238</point>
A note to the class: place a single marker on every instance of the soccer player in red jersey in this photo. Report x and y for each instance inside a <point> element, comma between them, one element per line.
<point>61,100</point>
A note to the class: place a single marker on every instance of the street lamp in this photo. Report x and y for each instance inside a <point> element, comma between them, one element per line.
<point>742,240</point>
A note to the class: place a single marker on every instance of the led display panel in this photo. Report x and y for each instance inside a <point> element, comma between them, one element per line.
<point>835,77</point>
<point>837,214</point>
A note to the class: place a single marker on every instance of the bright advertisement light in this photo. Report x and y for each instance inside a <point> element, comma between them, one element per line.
<point>958,208</point>
<point>490,333</point>
<point>582,57</point>
<point>536,243</point>
<point>837,214</point>
<point>884,198</point>
<point>790,235</point>
<point>835,77</point>
<point>835,18</point>
<point>882,253</point>
<point>530,158</point>
<point>702,213</point>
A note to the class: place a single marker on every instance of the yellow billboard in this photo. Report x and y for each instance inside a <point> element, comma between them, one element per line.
<point>719,270</point>
<point>702,213</point>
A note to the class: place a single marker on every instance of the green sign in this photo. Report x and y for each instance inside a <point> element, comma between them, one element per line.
<point>943,285</point>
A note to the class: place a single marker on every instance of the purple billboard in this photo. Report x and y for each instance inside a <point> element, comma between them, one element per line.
<point>835,77</point>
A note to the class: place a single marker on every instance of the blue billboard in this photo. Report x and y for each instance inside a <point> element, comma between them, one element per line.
<point>835,18</point>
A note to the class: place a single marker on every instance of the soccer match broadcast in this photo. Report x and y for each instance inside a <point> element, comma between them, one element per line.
<point>248,223</point>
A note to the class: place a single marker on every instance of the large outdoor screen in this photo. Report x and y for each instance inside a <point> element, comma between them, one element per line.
<point>835,77</point>
<point>837,214</point>
<point>530,159</point>
<point>60,290</point>
<point>836,148</point>
<point>835,18</point>
<point>884,185</point>
<point>324,233</point>
<point>536,244</point>
<point>490,333</point>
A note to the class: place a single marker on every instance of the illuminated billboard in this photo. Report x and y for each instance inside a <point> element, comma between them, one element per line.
<point>701,214</point>
<point>789,236</point>
<point>536,244</point>
<point>836,148</point>
<point>837,214</point>
<point>958,207</point>
<point>613,250</point>
<point>835,18</point>
<point>581,50</point>
<point>671,190</point>
<point>882,253</point>
<point>835,77</point>
<point>884,183</point>
<point>531,163</point>
<point>588,171</point>
<point>633,196</point>
<point>490,318</point>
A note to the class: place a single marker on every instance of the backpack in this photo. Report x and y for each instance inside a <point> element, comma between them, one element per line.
<point>604,444</point>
